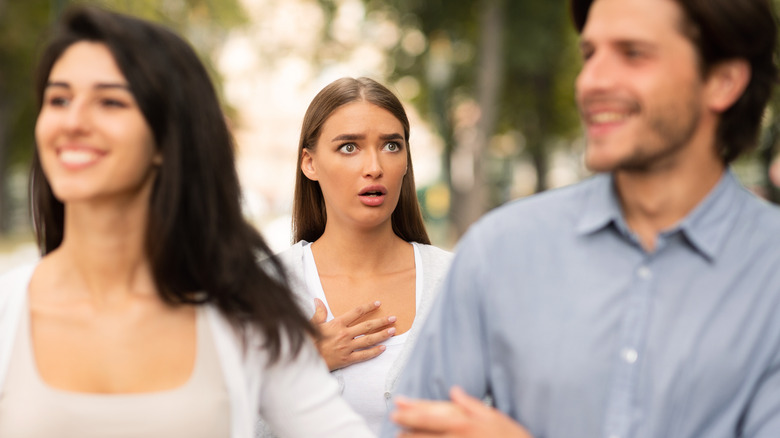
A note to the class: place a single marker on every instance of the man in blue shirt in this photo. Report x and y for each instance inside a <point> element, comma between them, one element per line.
<point>645,301</point>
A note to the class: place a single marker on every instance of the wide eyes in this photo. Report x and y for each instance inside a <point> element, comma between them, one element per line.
<point>351,148</point>
<point>348,148</point>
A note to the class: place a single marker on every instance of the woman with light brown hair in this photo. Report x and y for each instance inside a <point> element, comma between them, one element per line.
<point>363,260</point>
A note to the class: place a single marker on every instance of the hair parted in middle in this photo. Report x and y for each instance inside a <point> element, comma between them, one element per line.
<point>309,215</point>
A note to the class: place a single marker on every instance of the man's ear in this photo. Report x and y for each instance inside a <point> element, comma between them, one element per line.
<point>726,83</point>
<point>307,165</point>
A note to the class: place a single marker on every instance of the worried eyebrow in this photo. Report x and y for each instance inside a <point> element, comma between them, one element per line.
<point>98,86</point>
<point>353,137</point>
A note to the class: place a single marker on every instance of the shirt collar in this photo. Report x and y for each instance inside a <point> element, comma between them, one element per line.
<point>706,227</point>
<point>601,206</point>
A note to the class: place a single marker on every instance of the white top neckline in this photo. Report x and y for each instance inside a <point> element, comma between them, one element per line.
<point>314,285</point>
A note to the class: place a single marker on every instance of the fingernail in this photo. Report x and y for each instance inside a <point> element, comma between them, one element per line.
<point>391,331</point>
<point>391,319</point>
<point>382,347</point>
<point>377,303</point>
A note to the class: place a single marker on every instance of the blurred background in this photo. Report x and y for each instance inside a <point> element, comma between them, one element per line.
<point>488,86</point>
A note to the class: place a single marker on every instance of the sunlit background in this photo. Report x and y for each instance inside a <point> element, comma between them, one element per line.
<point>488,86</point>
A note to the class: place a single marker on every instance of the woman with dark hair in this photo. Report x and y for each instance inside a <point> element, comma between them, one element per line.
<point>362,252</point>
<point>148,314</point>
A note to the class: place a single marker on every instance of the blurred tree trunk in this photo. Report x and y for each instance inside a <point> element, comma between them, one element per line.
<point>5,147</point>
<point>536,131</point>
<point>470,196</point>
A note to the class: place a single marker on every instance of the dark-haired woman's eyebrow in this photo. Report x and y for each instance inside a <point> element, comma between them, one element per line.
<point>100,85</point>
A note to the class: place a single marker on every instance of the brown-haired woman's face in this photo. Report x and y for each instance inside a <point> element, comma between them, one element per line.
<point>360,163</point>
<point>92,138</point>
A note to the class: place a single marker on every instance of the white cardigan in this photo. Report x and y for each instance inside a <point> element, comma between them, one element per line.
<point>296,396</point>
<point>435,261</point>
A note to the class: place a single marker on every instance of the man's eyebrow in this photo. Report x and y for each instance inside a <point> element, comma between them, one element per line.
<point>623,42</point>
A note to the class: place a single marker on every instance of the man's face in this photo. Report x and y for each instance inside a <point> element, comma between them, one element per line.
<point>640,90</point>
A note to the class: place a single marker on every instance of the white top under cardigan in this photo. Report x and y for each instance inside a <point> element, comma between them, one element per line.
<point>435,263</point>
<point>31,408</point>
<point>295,396</point>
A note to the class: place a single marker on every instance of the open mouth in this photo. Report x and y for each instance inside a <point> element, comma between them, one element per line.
<point>373,191</point>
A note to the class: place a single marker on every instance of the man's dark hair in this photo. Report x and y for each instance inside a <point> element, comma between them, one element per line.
<point>723,30</point>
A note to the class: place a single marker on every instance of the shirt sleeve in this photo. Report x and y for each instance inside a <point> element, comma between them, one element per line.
<point>452,347</point>
<point>300,399</point>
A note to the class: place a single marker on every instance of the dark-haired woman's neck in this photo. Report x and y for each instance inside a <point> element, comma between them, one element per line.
<point>102,254</point>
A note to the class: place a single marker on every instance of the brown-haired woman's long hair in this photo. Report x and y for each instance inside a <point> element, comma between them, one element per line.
<point>309,215</point>
<point>197,238</point>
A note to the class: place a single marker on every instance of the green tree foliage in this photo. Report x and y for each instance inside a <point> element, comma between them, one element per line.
<point>21,23</point>
<point>517,55</point>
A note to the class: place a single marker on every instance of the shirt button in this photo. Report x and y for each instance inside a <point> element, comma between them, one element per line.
<point>387,396</point>
<point>629,355</point>
<point>644,272</point>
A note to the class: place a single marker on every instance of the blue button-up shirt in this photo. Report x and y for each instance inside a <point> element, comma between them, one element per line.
<point>554,309</point>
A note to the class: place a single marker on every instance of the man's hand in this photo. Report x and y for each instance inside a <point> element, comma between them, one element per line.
<point>340,345</point>
<point>463,417</point>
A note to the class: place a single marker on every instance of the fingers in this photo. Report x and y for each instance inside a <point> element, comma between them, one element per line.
<point>468,403</point>
<point>320,312</point>
<point>427,415</point>
<point>418,435</point>
<point>366,354</point>
<point>373,339</point>
<point>372,326</point>
<point>353,315</point>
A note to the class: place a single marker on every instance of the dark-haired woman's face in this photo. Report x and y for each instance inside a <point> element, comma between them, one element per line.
<point>360,163</point>
<point>92,138</point>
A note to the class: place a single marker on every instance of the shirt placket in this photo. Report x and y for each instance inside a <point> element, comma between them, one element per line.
<point>622,393</point>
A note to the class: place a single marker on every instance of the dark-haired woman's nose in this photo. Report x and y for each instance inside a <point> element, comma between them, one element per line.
<point>77,117</point>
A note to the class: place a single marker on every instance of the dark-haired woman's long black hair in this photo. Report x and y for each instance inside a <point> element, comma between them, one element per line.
<point>198,239</point>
